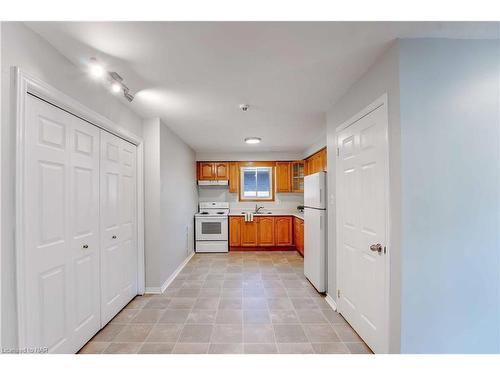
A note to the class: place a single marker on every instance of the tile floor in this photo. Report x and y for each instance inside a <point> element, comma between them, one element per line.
<point>238,302</point>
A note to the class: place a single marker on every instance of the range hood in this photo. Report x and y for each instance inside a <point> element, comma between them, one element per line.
<point>213,182</point>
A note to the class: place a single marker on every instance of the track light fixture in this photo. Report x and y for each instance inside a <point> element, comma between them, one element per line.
<point>114,80</point>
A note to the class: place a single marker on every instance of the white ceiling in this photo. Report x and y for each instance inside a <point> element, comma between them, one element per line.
<point>194,75</point>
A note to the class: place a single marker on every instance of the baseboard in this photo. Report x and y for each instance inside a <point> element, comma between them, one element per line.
<point>152,290</point>
<point>160,290</point>
<point>331,302</point>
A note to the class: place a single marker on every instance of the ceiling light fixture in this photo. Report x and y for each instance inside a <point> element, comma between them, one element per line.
<point>116,87</point>
<point>96,70</point>
<point>253,140</point>
<point>114,80</point>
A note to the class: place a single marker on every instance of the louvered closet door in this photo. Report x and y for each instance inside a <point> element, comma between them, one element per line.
<point>60,267</point>
<point>118,224</point>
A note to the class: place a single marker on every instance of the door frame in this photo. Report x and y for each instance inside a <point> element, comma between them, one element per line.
<point>379,102</point>
<point>24,85</point>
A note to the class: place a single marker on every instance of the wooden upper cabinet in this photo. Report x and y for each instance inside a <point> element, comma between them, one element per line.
<point>265,231</point>
<point>248,233</point>
<point>283,177</point>
<point>234,177</point>
<point>298,172</point>
<point>206,171</point>
<point>316,162</point>
<point>235,230</point>
<point>283,226</point>
<point>213,170</point>
<point>222,171</point>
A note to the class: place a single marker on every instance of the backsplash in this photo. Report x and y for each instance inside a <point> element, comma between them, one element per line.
<point>285,201</point>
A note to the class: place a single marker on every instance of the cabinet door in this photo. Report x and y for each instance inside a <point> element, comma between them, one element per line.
<point>283,230</point>
<point>323,159</point>
<point>221,171</point>
<point>283,177</point>
<point>248,233</point>
<point>235,231</point>
<point>265,231</point>
<point>206,171</point>
<point>316,164</point>
<point>295,231</point>
<point>299,235</point>
<point>298,171</point>
<point>234,177</point>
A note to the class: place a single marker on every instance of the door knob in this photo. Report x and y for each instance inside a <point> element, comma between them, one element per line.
<point>85,246</point>
<point>376,247</point>
<point>114,237</point>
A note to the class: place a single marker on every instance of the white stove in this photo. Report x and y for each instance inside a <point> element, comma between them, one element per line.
<point>211,223</point>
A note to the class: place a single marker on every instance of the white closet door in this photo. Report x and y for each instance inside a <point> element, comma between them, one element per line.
<point>60,267</point>
<point>118,225</point>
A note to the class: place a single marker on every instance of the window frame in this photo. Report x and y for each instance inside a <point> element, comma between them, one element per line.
<point>271,169</point>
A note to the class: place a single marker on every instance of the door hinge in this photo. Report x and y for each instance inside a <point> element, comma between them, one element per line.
<point>338,293</point>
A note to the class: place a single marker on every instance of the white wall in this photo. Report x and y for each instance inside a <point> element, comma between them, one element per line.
<point>450,128</point>
<point>179,201</point>
<point>381,78</point>
<point>283,201</point>
<point>171,202</point>
<point>152,212</point>
<point>321,143</point>
<point>23,48</point>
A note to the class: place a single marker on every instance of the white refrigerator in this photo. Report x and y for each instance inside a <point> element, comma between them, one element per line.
<point>315,230</point>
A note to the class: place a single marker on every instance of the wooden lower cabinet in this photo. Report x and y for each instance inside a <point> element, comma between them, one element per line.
<point>265,231</point>
<point>235,230</point>
<point>249,234</point>
<point>271,232</point>
<point>298,235</point>
<point>284,230</point>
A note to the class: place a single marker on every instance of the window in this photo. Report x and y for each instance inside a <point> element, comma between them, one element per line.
<point>256,183</point>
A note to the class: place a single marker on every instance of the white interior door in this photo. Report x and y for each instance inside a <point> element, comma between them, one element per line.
<point>362,225</point>
<point>118,224</point>
<point>60,266</point>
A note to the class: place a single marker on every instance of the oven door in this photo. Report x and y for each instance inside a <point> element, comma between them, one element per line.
<point>211,229</point>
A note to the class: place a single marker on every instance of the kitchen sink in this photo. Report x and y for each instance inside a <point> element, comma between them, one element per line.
<point>260,213</point>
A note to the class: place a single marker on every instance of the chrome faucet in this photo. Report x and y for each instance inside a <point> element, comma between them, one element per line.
<point>257,209</point>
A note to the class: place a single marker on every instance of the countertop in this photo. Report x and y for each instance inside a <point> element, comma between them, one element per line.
<point>295,213</point>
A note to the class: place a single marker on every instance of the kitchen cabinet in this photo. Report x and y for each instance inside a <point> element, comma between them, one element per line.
<point>234,177</point>
<point>213,170</point>
<point>316,162</point>
<point>249,234</point>
<point>298,235</point>
<point>206,171</point>
<point>265,231</point>
<point>283,177</point>
<point>235,230</point>
<point>298,176</point>
<point>221,171</point>
<point>283,226</point>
